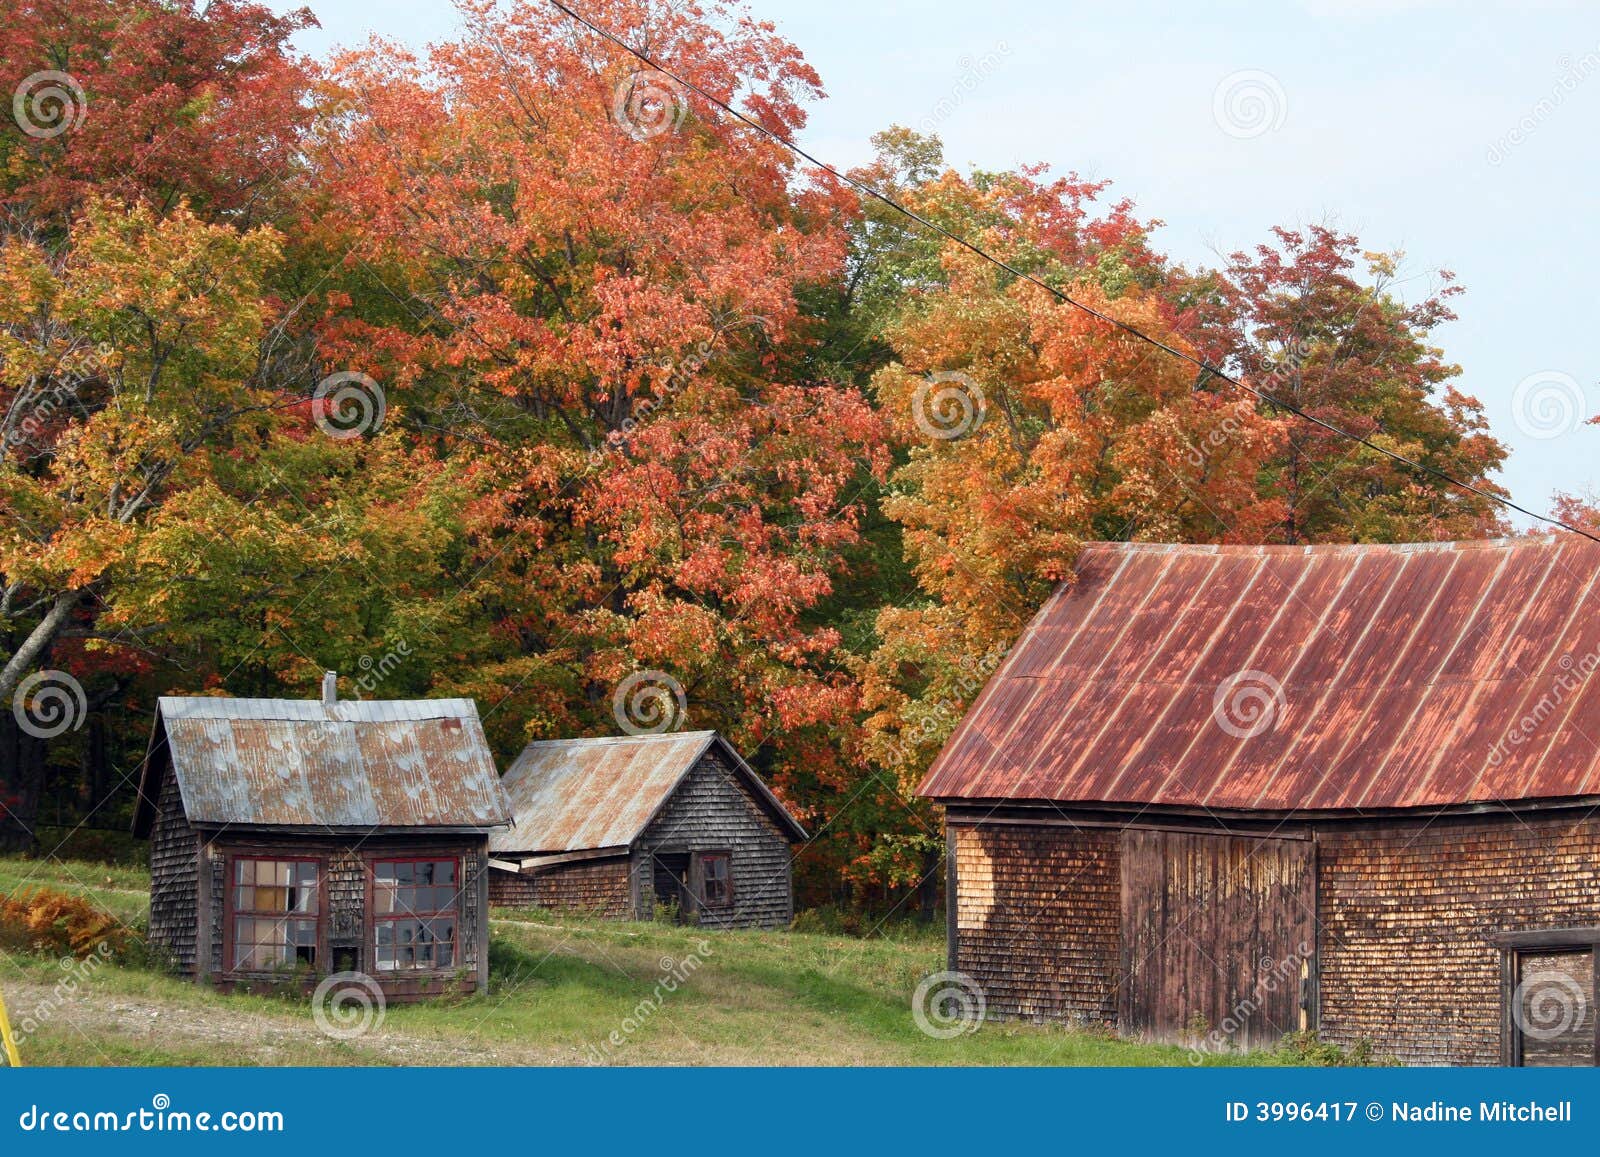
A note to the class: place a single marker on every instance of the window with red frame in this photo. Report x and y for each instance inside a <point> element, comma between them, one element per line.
<point>274,907</point>
<point>414,905</point>
<point>716,879</point>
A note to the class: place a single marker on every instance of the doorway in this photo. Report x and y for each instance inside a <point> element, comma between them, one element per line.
<point>671,883</point>
<point>1552,1007</point>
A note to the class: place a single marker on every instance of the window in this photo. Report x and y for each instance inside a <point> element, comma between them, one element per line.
<point>275,910</point>
<point>414,914</point>
<point>716,879</point>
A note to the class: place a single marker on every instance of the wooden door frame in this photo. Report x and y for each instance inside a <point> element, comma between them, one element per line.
<point>1513,946</point>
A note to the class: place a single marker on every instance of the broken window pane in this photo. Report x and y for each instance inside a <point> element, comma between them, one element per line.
<point>264,894</point>
<point>414,907</point>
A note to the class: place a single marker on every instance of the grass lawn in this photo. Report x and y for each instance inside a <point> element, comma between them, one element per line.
<point>560,987</point>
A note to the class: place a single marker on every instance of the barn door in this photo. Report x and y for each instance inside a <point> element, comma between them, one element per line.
<point>1218,937</point>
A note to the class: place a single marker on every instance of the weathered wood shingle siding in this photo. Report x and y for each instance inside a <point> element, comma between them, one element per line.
<point>713,811</point>
<point>174,880</point>
<point>1037,919</point>
<point>1408,908</point>
<point>596,888</point>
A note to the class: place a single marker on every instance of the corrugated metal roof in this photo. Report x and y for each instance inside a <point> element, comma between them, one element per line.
<point>574,794</point>
<point>298,763</point>
<point>1284,678</point>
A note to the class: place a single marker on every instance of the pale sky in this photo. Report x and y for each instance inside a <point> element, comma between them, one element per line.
<point>1463,134</point>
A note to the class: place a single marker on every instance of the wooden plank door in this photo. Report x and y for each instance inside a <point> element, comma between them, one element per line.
<point>1218,937</point>
<point>1553,1007</point>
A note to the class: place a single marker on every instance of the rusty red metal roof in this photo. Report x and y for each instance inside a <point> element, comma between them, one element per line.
<point>349,764</point>
<point>581,794</point>
<point>1287,678</point>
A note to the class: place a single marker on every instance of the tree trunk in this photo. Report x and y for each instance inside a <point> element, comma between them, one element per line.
<point>34,645</point>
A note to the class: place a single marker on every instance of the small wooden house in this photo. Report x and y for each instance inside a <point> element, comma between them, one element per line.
<point>1217,794</point>
<point>628,826</point>
<point>292,839</point>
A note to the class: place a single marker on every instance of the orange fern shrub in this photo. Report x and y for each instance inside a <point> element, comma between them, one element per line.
<point>45,920</point>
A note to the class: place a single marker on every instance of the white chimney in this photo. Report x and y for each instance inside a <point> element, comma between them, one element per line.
<point>330,688</point>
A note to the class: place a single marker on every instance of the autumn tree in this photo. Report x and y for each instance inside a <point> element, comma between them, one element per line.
<point>585,285</point>
<point>148,100</point>
<point>1320,324</point>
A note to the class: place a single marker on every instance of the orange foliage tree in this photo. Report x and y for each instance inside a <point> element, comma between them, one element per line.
<point>583,285</point>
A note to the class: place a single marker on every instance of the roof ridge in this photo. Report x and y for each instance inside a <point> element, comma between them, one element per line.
<point>645,737</point>
<point>1511,543</point>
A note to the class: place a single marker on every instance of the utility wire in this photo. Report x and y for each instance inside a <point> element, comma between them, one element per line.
<point>1201,364</point>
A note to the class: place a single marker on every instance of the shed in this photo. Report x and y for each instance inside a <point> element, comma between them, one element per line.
<point>1220,793</point>
<point>629,825</point>
<point>293,839</point>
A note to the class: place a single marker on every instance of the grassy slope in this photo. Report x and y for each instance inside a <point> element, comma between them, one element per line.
<point>561,985</point>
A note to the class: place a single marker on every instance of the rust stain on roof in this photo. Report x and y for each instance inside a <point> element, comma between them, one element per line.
<point>1284,678</point>
<point>300,763</point>
<point>580,794</point>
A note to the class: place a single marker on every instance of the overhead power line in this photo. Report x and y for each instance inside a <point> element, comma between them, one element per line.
<point>1201,364</point>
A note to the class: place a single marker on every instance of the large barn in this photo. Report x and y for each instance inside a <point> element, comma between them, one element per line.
<point>1217,794</point>
<point>293,839</point>
<point>629,826</point>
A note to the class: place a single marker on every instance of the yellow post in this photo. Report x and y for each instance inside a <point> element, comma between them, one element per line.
<point>7,1039</point>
